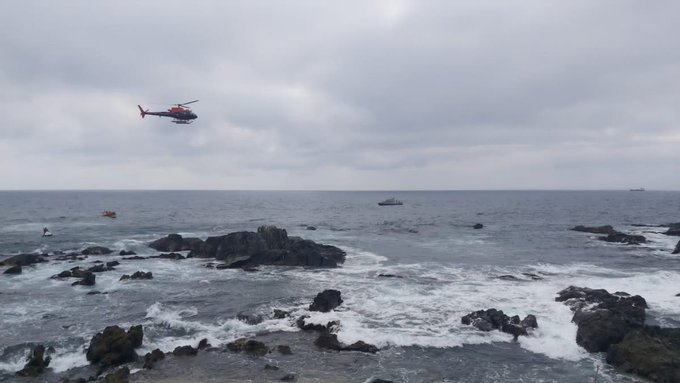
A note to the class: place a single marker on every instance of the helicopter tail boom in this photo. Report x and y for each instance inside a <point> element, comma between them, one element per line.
<point>142,111</point>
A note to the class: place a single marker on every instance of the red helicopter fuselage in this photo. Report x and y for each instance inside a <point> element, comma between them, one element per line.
<point>180,114</point>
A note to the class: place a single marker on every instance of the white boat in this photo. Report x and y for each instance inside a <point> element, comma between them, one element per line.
<point>390,202</point>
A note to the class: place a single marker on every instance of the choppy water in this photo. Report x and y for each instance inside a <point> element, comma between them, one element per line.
<point>447,269</point>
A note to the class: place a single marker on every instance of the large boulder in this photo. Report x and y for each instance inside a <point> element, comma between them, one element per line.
<point>119,376</point>
<point>175,242</point>
<point>326,301</point>
<point>673,229</point>
<point>23,260</point>
<point>606,229</point>
<point>152,357</point>
<point>624,238</point>
<point>677,248</point>
<point>268,246</point>
<point>651,352</point>
<point>37,363</point>
<point>87,280</point>
<point>13,270</point>
<point>115,346</point>
<point>602,318</point>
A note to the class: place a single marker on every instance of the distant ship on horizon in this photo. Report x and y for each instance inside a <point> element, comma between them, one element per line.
<point>638,189</point>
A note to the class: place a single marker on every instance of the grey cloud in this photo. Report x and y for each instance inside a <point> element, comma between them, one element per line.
<point>474,94</point>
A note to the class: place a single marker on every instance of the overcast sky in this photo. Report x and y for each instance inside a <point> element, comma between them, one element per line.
<point>341,95</point>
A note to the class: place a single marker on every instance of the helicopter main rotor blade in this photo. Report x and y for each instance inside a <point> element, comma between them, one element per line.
<point>187,103</point>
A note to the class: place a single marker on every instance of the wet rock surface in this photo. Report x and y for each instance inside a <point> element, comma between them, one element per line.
<point>602,318</point>
<point>37,363</point>
<point>137,275</point>
<point>114,346</point>
<point>650,351</point>
<point>248,346</point>
<point>493,319</point>
<point>268,246</point>
<point>326,301</point>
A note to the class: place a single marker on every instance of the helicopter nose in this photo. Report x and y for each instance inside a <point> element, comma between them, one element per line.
<point>193,116</point>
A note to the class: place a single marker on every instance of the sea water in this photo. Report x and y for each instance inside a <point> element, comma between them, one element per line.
<point>440,270</point>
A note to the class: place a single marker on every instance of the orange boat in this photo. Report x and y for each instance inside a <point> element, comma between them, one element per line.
<point>109,213</point>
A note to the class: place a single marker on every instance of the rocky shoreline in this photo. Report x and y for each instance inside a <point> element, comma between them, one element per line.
<point>610,323</point>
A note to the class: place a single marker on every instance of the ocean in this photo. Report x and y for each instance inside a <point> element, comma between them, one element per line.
<point>443,268</point>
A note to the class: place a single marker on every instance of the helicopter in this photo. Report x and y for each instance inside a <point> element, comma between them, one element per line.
<point>179,113</point>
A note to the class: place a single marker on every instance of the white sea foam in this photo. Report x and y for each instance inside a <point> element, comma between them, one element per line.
<point>63,360</point>
<point>425,305</point>
<point>183,319</point>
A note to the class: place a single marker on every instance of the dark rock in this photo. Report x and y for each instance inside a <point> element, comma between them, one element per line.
<point>248,346</point>
<point>509,278</point>
<point>651,352</point>
<point>330,341</point>
<point>93,293</point>
<point>381,381</point>
<point>87,280</point>
<point>13,270</point>
<point>23,260</point>
<point>389,276</point>
<point>97,250</point>
<point>134,258</point>
<point>119,376</point>
<point>175,242</point>
<point>115,346</point>
<point>184,351</point>
<point>175,256</point>
<point>37,363</point>
<point>288,378</point>
<point>63,274</point>
<point>152,357</point>
<point>677,248</point>
<point>673,231</point>
<point>533,277</point>
<point>492,319</point>
<point>100,269</point>
<point>624,238</point>
<point>269,246</point>
<point>251,319</point>
<point>602,318</point>
<point>137,275</point>
<point>486,320</point>
<point>270,367</point>
<point>249,269</point>
<point>607,229</point>
<point>313,326</point>
<point>283,349</point>
<point>75,380</point>
<point>311,228</point>
<point>478,226</point>
<point>235,263</point>
<point>514,329</point>
<point>280,314</point>
<point>126,252</point>
<point>112,263</point>
<point>529,322</point>
<point>203,344</point>
<point>326,301</point>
